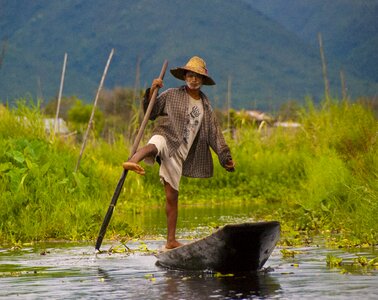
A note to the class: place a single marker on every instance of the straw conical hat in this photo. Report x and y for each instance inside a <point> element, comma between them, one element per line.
<point>196,65</point>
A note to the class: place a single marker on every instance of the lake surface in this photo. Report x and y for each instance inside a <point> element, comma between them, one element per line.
<point>74,271</point>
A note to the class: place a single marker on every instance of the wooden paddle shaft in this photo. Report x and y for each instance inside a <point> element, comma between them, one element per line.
<point>148,112</point>
<point>134,148</point>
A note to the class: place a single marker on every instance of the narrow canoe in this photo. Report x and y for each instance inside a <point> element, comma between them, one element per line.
<point>232,248</point>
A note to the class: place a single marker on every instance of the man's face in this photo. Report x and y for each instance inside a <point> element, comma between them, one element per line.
<point>193,80</point>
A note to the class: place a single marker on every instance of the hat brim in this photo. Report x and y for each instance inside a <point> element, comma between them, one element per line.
<point>180,72</point>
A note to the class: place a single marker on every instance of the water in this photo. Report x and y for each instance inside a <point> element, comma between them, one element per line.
<point>56,271</point>
<point>74,271</point>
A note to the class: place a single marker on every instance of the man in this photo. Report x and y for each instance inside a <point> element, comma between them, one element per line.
<point>186,130</point>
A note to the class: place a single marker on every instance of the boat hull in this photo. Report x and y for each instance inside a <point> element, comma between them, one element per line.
<point>232,248</point>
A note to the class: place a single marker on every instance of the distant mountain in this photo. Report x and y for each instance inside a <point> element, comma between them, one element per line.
<point>266,63</point>
<point>349,28</point>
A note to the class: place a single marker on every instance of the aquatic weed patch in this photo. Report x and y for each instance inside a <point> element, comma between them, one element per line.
<point>357,265</point>
<point>15,270</point>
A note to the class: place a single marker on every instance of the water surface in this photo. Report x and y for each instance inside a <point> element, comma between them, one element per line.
<point>74,271</point>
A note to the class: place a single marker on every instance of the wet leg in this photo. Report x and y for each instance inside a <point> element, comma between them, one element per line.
<point>171,210</point>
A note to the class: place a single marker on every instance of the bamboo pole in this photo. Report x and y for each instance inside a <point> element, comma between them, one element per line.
<point>57,126</point>
<point>39,89</point>
<point>3,51</point>
<point>136,91</point>
<point>229,82</point>
<point>90,123</point>
<point>134,148</point>
<point>343,86</point>
<point>137,80</point>
<point>324,67</point>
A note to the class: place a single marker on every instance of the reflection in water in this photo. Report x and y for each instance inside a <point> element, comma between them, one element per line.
<point>104,275</point>
<point>193,220</point>
<point>202,285</point>
<point>169,284</point>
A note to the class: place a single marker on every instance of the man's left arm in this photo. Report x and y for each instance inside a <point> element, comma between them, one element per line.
<point>218,144</point>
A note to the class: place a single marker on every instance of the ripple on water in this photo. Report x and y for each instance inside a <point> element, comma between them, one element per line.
<point>76,272</point>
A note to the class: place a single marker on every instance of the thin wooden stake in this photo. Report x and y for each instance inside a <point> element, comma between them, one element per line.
<point>324,68</point>
<point>137,80</point>
<point>57,127</point>
<point>136,91</point>
<point>93,110</point>
<point>228,103</point>
<point>39,91</point>
<point>343,86</point>
<point>3,51</point>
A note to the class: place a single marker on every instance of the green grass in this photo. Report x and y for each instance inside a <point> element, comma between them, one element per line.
<point>320,178</point>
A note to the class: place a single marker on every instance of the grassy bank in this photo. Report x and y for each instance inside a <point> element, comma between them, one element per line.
<point>321,177</point>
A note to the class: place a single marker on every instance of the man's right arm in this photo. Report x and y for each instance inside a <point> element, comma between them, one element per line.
<point>156,84</point>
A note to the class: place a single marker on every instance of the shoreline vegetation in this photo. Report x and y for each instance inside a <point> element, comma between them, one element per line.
<point>320,178</point>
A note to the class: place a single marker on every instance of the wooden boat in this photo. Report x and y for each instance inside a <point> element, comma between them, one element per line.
<point>232,248</point>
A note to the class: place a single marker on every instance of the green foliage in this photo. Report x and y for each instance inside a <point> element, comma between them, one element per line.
<point>289,253</point>
<point>289,111</point>
<point>79,115</point>
<point>66,104</point>
<point>123,110</point>
<point>333,261</point>
<point>40,195</point>
<point>339,189</point>
<point>321,177</point>
<point>263,172</point>
<point>359,265</point>
<point>119,113</point>
<point>24,120</point>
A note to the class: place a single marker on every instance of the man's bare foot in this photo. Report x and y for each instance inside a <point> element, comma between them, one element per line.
<point>131,166</point>
<point>172,245</point>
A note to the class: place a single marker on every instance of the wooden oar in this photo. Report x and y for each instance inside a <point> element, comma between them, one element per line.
<point>134,148</point>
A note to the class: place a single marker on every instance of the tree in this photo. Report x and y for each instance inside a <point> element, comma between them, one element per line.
<point>78,118</point>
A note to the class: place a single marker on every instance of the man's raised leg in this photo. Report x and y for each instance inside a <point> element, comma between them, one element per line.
<point>142,153</point>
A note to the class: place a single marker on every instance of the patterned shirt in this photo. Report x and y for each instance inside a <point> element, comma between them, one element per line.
<point>171,112</point>
<point>195,116</point>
